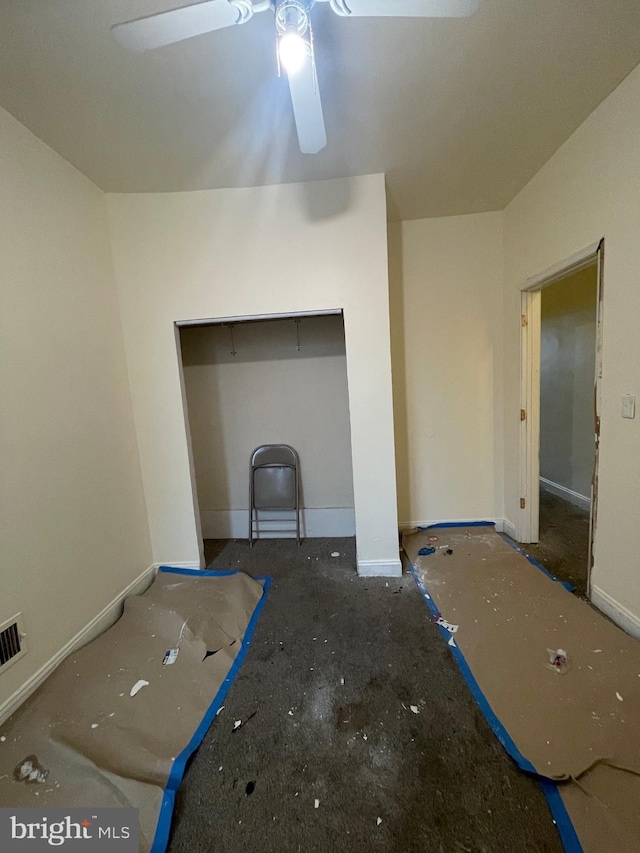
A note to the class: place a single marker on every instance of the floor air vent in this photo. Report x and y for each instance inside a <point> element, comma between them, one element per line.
<point>12,644</point>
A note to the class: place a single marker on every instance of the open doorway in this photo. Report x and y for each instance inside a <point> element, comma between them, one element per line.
<point>276,380</point>
<point>567,435</point>
<point>562,313</point>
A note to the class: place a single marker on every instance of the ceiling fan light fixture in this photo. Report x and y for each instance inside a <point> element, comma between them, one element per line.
<point>292,50</point>
<point>294,43</point>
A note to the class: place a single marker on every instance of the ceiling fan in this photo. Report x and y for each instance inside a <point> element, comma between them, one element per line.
<point>294,34</point>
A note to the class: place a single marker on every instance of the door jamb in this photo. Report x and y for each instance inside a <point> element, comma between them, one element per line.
<point>530,332</point>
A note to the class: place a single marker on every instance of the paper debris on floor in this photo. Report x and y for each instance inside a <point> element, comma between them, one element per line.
<point>137,687</point>
<point>114,720</point>
<point>580,730</point>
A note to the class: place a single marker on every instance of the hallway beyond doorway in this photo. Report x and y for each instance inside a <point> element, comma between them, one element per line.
<point>563,547</point>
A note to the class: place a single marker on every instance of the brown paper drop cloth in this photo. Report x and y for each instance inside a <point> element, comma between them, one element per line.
<point>99,745</point>
<point>580,728</point>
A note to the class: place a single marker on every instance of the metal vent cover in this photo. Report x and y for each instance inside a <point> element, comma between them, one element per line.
<point>12,641</point>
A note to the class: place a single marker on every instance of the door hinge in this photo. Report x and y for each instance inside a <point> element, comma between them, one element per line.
<point>523,320</point>
<point>523,503</point>
<point>523,414</point>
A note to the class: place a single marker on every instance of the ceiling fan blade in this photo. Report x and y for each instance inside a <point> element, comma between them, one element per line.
<point>178,24</point>
<point>406,8</point>
<point>307,107</point>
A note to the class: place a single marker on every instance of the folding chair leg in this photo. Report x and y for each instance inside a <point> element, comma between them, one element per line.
<point>251,510</point>
<point>297,510</point>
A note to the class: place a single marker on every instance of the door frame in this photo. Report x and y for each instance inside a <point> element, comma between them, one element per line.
<point>530,336</point>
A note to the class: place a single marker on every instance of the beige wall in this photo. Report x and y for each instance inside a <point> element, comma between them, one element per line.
<point>590,189</point>
<point>74,532</point>
<point>567,373</point>
<point>270,392</point>
<point>446,310</point>
<point>238,252</point>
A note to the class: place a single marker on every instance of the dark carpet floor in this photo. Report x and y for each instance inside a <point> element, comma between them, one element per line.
<point>564,540</point>
<point>335,665</point>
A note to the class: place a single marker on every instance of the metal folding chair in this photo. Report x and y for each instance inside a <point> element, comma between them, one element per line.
<point>274,483</point>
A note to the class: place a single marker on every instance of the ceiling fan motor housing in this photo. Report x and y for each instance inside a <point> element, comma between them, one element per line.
<point>292,16</point>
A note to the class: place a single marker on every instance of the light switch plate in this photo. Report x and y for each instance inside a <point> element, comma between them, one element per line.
<point>628,406</point>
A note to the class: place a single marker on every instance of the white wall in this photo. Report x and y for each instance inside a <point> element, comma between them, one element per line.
<point>567,373</point>
<point>270,392</point>
<point>589,189</point>
<point>74,532</point>
<point>446,310</point>
<point>237,252</point>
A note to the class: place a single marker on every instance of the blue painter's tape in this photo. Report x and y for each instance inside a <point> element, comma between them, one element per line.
<point>566,830</point>
<point>201,573</point>
<point>424,552</point>
<point>459,524</point>
<point>161,838</point>
<point>550,789</point>
<point>569,587</point>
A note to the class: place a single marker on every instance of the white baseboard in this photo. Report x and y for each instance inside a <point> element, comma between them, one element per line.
<point>380,568</point>
<point>509,528</point>
<point>179,564</point>
<point>105,619</point>
<point>314,523</point>
<point>567,494</point>
<point>617,612</point>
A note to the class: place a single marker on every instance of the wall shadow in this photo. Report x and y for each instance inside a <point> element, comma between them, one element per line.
<point>398,372</point>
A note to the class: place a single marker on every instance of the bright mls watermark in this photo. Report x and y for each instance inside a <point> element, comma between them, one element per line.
<point>79,830</point>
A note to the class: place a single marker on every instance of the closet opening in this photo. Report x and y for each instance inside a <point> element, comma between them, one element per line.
<point>252,381</point>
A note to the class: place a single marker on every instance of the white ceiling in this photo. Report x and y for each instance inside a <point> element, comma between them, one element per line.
<point>458,113</point>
